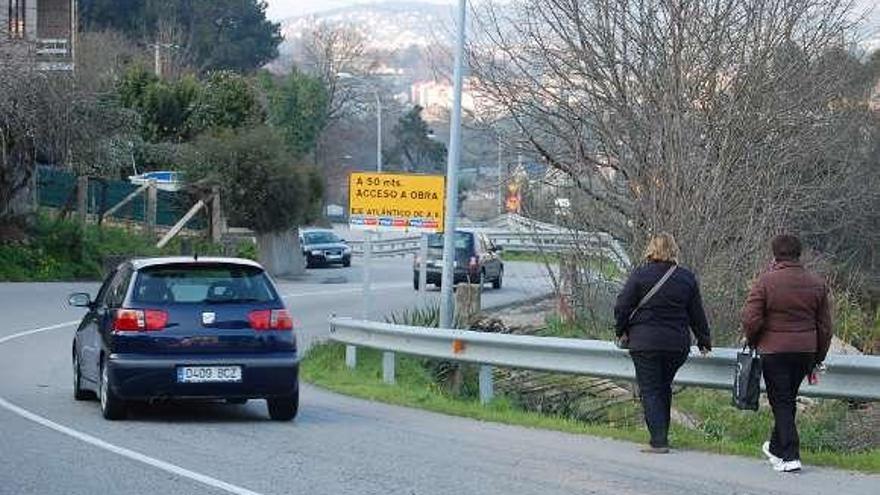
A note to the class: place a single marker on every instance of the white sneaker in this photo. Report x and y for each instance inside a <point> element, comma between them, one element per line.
<point>770,457</point>
<point>788,466</point>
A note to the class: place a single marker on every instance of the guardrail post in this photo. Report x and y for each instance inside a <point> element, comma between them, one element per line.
<point>388,374</point>
<point>350,356</point>
<point>487,386</point>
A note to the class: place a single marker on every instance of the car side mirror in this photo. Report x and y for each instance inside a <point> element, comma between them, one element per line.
<point>80,300</point>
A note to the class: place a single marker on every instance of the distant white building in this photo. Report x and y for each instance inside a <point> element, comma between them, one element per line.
<point>436,98</point>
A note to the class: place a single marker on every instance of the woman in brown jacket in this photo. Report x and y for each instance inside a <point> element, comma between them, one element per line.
<point>787,318</point>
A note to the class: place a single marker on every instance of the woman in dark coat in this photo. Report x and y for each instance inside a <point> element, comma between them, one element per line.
<point>787,317</point>
<point>658,330</point>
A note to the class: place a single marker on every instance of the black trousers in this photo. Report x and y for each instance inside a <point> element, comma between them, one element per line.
<point>654,373</point>
<point>783,374</point>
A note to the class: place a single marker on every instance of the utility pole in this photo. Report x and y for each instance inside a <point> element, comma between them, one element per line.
<point>500,181</point>
<point>157,56</point>
<point>157,59</point>
<point>378,131</point>
<point>447,303</point>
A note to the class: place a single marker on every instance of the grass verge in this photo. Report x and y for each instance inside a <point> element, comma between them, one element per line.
<point>724,429</point>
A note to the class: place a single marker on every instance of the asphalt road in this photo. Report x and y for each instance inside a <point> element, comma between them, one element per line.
<point>50,444</point>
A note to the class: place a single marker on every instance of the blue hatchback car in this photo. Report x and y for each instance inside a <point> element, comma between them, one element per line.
<point>186,328</point>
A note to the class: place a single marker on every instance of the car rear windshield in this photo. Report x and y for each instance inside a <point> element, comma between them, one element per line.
<point>321,238</point>
<point>463,240</point>
<point>202,283</point>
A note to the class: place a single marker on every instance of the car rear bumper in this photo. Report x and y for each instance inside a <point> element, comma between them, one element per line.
<point>434,275</point>
<point>142,377</point>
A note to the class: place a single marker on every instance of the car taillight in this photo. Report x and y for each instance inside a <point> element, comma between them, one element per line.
<point>139,320</point>
<point>270,319</point>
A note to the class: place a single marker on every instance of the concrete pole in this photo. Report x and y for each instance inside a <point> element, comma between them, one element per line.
<point>82,199</point>
<point>157,59</point>
<point>217,226</point>
<point>366,298</point>
<point>423,270</point>
<point>500,181</point>
<point>447,304</point>
<point>151,205</point>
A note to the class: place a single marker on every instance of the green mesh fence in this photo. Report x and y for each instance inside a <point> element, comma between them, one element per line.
<point>57,188</point>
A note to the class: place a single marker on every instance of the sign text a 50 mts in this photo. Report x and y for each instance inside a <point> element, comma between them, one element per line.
<point>396,202</point>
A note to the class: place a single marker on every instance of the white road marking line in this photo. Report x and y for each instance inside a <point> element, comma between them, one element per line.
<point>101,444</point>
<point>37,330</point>
<point>124,452</point>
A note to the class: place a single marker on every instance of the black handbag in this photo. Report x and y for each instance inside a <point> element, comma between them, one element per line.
<point>747,380</point>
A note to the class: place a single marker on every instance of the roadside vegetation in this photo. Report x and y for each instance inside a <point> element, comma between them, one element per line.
<point>720,427</point>
<point>56,250</point>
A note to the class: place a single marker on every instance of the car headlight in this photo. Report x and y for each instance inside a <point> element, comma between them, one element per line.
<point>316,253</point>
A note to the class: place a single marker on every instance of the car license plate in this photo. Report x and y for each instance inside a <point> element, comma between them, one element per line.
<point>334,256</point>
<point>209,374</point>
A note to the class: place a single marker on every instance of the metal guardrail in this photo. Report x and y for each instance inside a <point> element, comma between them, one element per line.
<point>532,242</point>
<point>399,246</point>
<point>847,376</point>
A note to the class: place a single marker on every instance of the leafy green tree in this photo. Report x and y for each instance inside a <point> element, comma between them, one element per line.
<point>212,34</point>
<point>415,150</point>
<point>164,106</point>
<point>262,186</point>
<point>297,107</point>
<point>179,110</point>
<point>225,100</point>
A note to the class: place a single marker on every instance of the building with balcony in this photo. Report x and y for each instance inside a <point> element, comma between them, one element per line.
<point>39,32</point>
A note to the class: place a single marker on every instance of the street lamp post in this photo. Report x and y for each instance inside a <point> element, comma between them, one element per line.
<point>447,303</point>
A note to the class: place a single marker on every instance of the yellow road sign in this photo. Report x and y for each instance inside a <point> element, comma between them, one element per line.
<point>396,202</point>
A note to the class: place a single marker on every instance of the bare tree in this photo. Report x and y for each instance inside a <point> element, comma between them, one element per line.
<point>722,122</point>
<point>330,50</point>
<point>103,56</point>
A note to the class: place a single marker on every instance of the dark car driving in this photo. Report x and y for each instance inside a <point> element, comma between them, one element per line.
<point>186,328</point>
<point>324,247</point>
<point>476,260</point>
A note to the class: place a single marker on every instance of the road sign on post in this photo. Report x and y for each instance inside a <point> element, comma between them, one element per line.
<point>382,202</point>
<point>396,202</point>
